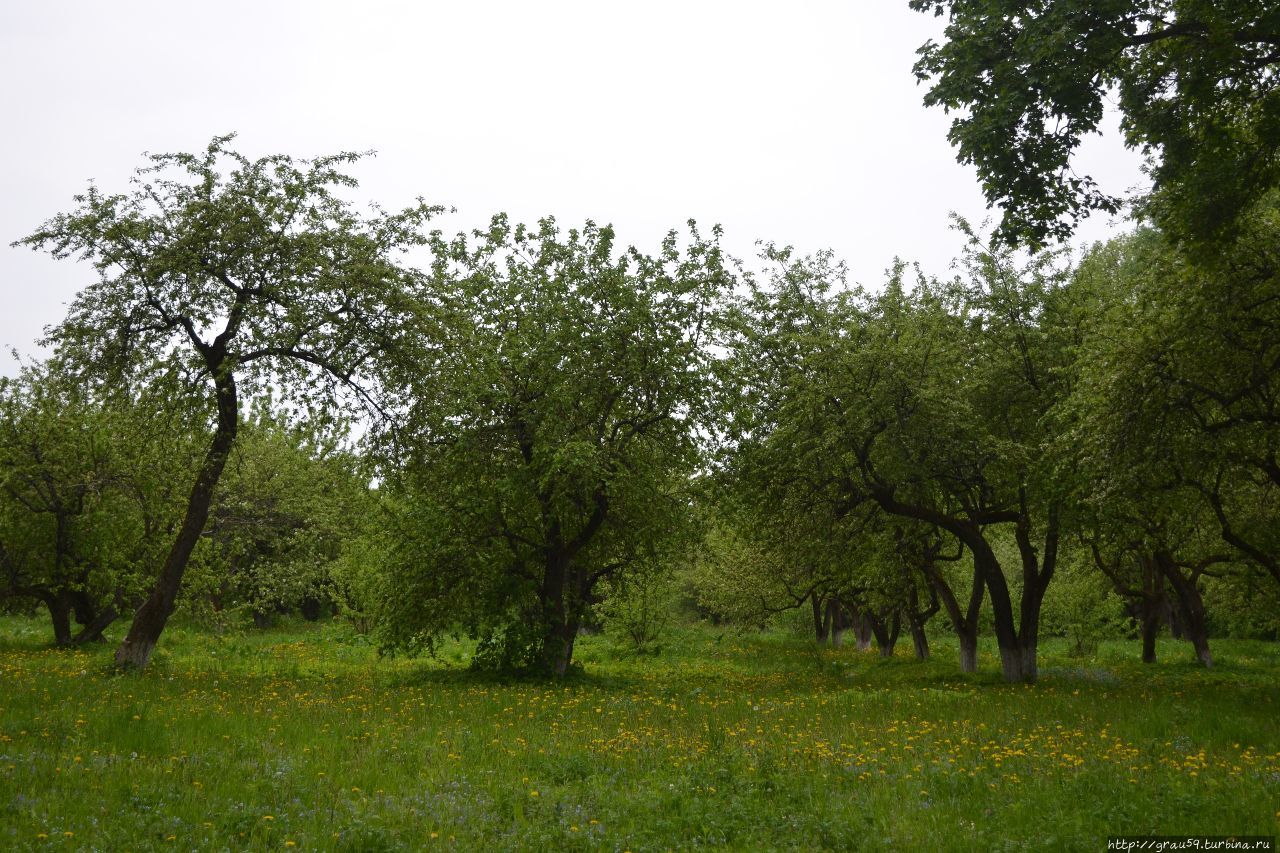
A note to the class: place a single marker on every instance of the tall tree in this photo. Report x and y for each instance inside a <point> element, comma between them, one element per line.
<point>245,274</point>
<point>551,446</point>
<point>1197,86</point>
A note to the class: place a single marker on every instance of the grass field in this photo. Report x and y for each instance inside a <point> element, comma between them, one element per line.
<point>302,737</point>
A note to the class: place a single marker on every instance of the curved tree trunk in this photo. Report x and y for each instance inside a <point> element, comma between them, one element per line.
<point>1190,606</point>
<point>92,632</point>
<point>149,621</point>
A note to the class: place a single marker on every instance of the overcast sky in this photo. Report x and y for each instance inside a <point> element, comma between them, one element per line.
<point>799,123</point>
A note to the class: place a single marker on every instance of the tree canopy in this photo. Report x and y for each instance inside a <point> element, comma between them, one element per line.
<point>549,446</point>
<point>238,274</point>
<point>1195,82</point>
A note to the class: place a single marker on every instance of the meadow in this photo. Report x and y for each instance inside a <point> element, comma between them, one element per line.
<point>303,737</point>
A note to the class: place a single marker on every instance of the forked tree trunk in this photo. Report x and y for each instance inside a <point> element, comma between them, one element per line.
<point>1190,606</point>
<point>92,632</point>
<point>917,618</point>
<point>861,628</point>
<point>153,615</point>
<point>919,641</point>
<point>821,618</point>
<point>885,633</point>
<point>836,620</point>
<point>964,623</point>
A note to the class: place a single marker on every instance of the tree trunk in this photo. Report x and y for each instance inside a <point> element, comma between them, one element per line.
<point>1001,608</point>
<point>821,618</point>
<point>1037,572</point>
<point>559,625</point>
<point>917,618</point>
<point>59,605</point>
<point>895,631</point>
<point>1190,606</point>
<point>92,632</point>
<point>1150,629</point>
<point>964,623</point>
<point>919,640</point>
<point>835,618</point>
<point>886,634</point>
<point>969,651</point>
<point>153,615</point>
<point>861,629</point>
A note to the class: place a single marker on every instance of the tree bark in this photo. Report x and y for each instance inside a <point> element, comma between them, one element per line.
<point>92,632</point>
<point>964,623</point>
<point>885,632</point>
<point>1150,630</point>
<point>1002,608</point>
<point>917,618</point>
<point>60,614</point>
<point>153,615</point>
<point>895,631</point>
<point>821,618</point>
<point>835,619</point>
<point>861,628</point>
<point>1037,572</point>
<point>969,652</point>
<point>1190,606</point>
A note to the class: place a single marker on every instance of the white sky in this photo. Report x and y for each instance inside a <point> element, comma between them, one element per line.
<point>794,122</point>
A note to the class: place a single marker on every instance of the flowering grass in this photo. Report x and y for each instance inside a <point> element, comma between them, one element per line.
<point>303,737</point>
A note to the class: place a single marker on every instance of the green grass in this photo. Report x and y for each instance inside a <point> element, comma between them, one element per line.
<point>301,736</point>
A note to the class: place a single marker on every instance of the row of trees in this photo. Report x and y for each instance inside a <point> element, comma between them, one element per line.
<point>1015,419</point>
<point>547,418</point>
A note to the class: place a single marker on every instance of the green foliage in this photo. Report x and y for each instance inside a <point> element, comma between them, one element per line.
<point>1081,606</point>
<point>357,575</point>
<point>922,405</point>
<point>235,276</point>
<point>638,608</point>
<point>1173,405</point>
<point>281,517</point>
<point>87,492</point>
<point>1197,89</point>
<point>551,437</point>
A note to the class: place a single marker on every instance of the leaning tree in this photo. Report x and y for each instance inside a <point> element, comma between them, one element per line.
<point>245,275</point>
